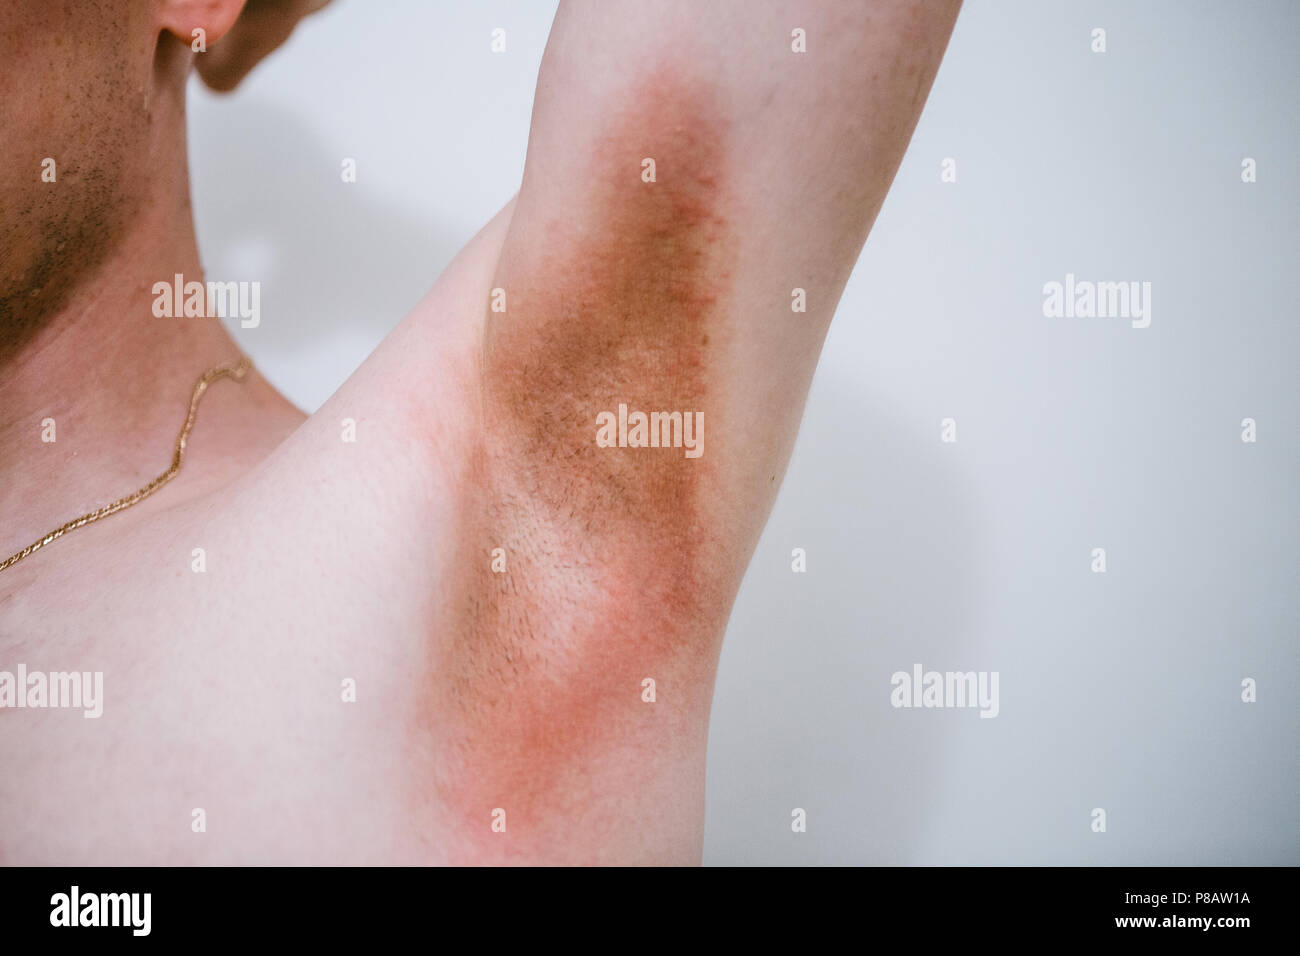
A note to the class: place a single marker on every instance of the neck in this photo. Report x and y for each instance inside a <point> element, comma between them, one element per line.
<point>116,381</point>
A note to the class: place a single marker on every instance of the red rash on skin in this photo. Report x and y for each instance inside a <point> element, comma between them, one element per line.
<point>611,572</point>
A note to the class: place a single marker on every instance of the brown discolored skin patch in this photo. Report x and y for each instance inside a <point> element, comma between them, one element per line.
<point>616,303</point>
<point>615,570</point>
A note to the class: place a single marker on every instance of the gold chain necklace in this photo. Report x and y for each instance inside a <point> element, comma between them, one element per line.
<point>237,372</point>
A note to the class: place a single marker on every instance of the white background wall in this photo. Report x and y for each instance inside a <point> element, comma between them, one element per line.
<point>1118,690</point>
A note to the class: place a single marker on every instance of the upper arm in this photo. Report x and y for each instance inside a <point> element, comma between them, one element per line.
<point>674,293</point>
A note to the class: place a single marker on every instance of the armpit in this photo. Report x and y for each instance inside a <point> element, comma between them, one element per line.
<point>610,570</point>
<point>598,376</point>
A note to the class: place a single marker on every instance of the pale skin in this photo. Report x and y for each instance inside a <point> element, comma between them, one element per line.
<point>371,560</point>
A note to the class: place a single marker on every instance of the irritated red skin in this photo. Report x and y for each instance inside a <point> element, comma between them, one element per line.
<point>614,572</point>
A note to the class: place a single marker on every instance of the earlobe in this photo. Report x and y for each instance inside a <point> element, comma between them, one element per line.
<point>199,23</point>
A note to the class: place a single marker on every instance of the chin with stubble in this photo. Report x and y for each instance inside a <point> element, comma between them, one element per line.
<point>77,126</point>
<point>58,250</point>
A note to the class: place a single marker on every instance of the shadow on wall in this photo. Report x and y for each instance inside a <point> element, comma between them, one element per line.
<point>339,263</point>
<point>888,523</point>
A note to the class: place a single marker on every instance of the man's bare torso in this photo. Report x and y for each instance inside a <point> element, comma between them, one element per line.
<point>229,690</point>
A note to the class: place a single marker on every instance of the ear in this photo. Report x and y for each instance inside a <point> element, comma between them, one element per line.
<point>214,17</point>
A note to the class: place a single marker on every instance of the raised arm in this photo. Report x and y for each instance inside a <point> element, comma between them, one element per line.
<point>687,172</point>
<point>690,167</point>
